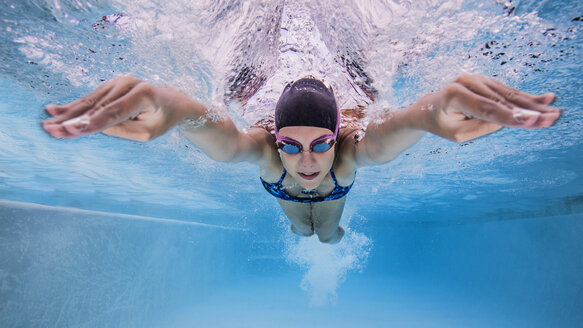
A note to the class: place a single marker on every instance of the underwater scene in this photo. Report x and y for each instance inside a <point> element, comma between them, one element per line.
<point>106,232</point>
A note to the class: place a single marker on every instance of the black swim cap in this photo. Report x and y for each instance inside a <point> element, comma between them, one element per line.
<point>306,102</point>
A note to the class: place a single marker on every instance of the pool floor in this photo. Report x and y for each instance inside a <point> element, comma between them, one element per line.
<point>76,268</point>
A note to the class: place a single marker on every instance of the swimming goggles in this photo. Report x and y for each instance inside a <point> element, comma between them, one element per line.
<point>320,145</point>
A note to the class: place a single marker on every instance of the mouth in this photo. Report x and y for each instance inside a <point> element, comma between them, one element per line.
<point>308,176</point>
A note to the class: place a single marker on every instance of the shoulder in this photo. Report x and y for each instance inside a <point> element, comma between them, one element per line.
<point>270,166</point>
<point>261,136</point>
<point>344,164</point>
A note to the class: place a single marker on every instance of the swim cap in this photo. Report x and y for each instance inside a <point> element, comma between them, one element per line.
<point>307,102</point>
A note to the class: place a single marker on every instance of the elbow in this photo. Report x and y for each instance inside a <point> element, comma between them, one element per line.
<point>376,155</point>
<point>224,156</point>
<point>380,159</point>
<point>458,138</point>
<point>217,152</point>
<point>229,153</point>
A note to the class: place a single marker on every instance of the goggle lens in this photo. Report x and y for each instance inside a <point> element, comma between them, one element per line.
<point>289,148</point>
<point>318,146</point>
<point>322,146</point>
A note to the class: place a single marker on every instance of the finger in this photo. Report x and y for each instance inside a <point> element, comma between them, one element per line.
<point>77,107</point>
<point>56,130</point>
<point>546,99</point>
<point>476,84</point>
<point>475,105</point>
<point>121,109</point>
<point>520,98</point>
<point>545,120</point>
<point>102,96</point>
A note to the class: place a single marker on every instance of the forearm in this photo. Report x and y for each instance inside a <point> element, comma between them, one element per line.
<point>387,137</point>
<point>218,137</point>
<point>213,133</point>
<point>178,107</point>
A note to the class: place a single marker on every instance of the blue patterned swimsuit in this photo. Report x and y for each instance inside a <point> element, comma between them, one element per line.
<point>277,190</point>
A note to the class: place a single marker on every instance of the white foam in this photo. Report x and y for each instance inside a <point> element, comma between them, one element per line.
<point>326,266</point>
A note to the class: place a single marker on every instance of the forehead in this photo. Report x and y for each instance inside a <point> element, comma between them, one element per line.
<point>303,133</point>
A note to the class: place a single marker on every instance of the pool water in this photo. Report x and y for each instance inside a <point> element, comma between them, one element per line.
<point>103,232</point>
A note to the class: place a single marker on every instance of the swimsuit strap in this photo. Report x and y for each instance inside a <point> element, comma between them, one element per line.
<point>333,177</point>
<point>282,177</point>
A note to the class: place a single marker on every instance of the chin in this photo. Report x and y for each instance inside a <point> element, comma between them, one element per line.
<point>312,184</point>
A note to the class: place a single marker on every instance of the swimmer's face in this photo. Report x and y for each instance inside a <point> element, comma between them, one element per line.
<point>308,168</point>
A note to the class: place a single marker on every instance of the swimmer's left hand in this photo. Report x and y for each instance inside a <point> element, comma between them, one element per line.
<point>475,105</point>
<point>468,108</point>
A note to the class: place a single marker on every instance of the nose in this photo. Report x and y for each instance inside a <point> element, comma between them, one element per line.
<point>306,159</point>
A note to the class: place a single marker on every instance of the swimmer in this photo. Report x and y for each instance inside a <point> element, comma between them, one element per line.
<point>310,163</point>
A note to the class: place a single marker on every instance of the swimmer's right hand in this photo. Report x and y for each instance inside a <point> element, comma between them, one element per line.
<point>124,107</point>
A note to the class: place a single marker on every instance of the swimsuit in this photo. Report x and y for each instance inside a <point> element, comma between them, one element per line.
<point>277,190</point>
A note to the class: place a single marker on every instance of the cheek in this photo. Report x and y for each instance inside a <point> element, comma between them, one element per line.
<point>326,160</point>
<point>288,163</point>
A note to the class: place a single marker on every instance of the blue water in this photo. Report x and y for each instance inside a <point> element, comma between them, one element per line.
<point>103,232</point>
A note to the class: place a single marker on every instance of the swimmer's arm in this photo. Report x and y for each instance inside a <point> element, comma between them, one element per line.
<point>129,108</point>
<point>470,107</point>
<point>223,142</point>
<point>389,135</point>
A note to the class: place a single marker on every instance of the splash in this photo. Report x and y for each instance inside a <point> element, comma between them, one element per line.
<point>326,266</point>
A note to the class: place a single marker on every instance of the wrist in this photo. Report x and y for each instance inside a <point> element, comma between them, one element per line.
<point>426,112</point>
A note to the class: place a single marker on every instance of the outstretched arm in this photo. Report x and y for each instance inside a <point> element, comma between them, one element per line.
<point>468,108</point>
<point>129,108</point>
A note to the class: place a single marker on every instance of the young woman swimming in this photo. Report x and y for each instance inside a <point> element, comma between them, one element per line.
<point>310,164</point>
